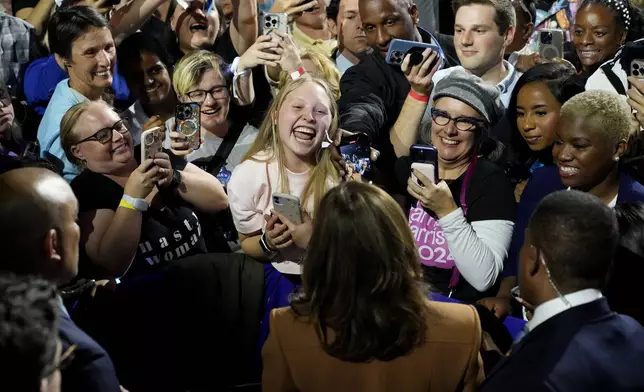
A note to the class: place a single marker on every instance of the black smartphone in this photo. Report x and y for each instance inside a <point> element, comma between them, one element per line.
<point>356,152</point>
<point>425,160</point>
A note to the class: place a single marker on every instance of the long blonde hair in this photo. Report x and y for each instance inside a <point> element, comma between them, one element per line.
<point>268,141</point>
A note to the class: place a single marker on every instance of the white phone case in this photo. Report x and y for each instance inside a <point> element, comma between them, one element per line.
<point>289,206</point>
<point>151,143</point>
<point>427,169</point>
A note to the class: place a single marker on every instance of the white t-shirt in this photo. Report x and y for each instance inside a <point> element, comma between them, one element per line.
<point>250,193</point>
<point>210,145</point>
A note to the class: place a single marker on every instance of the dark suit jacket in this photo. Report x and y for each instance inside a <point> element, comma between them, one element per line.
<point>543,182</point>
<point>91,370</point>
<point>448,360</point>
<point>587,348</point>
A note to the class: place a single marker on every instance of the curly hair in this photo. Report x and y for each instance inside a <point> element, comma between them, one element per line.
<point>608,110</point>
<point>28,337</point>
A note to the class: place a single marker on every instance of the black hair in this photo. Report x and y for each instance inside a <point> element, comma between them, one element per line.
<point>143,42</point>
<point>526,7</point>
<point>577,234</point>
<point>28,337</point>
<point>564,83</point>
<point>69,24</point>
<point>629,262</point>
<point>333,10</point>
<point>633,25</point>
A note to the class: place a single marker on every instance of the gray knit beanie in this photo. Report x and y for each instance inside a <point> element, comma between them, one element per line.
<point>472,90</point>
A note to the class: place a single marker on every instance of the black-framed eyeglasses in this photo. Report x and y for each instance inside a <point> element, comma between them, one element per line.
<point>104,135</point>
<point>462,123</point>
<point>217,92</point>
<point>65,360</point>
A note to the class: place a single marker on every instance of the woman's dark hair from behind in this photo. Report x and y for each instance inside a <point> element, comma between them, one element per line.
<point>563,83</point>
<point>361,278</point>
<point>628,265</point>
<point>68,24</point>
<point>132,47</point>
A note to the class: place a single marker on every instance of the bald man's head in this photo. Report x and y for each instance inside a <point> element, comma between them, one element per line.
<point>38,230</point>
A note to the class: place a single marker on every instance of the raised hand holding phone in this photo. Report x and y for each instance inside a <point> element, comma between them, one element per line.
<point>420,76</point>
<point>435,197</point>
<point>259,54</point>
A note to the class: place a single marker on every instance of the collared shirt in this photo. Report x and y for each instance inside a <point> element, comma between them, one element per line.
<point>550,309</point>
<point>505,86</point>
<point>342,63</point>
<point>305,42</point>
<point>19,48</point>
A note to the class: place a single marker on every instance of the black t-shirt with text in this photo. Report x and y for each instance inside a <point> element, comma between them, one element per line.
<point>169,232</point>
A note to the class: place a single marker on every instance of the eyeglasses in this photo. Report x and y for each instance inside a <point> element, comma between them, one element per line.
<point>65,360</point>
<point>462,123</point>
<point>104,135</point>
<point>217,92</point>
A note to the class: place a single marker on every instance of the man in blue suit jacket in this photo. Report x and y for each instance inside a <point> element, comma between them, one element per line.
<point>39,236</point>
<point>573,342</point>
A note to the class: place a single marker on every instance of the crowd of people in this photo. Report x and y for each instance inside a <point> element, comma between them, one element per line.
<point>250,254</point>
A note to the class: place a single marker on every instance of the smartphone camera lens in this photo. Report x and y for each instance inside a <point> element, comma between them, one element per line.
<point>149,139</point>
<point>546,37</point>
<point>268,24</point>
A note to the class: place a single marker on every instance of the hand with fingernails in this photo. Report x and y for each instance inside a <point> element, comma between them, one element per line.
<point>420,76</point>
<point>179,142</point>
<point>288,51</point>
<point>162,161</point>
<point>435,197</point>
<point>143,179</point>
<point>636,98</point>
<point>261,53</point>
<point>277,235</point>
<point>298,235</point>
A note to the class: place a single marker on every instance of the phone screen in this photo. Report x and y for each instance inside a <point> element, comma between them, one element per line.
<point>356,152</point>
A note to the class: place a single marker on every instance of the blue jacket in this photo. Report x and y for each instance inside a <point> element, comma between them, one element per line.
<point>44,74</point>
<point>587,348</point>
<point>543,182</point>
<point>91,369</point>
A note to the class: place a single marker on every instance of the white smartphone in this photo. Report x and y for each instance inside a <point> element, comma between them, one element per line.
<point>289,206</point>
<point>551,43</point>
<point>427,169</point>
<point>151,143</point>
<point>275,21</point>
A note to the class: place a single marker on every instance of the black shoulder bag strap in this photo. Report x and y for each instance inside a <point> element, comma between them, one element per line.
<point>613,78</point>
<point>219,159</point>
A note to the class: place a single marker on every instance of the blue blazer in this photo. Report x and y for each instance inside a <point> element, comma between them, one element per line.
<point>587,348</point>
<point>543,182</point>
<point>91,369</point>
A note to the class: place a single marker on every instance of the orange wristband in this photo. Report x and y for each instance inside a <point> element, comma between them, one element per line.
<point>418,97</point>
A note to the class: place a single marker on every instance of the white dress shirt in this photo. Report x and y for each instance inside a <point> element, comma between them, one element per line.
<point>550,309</point>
